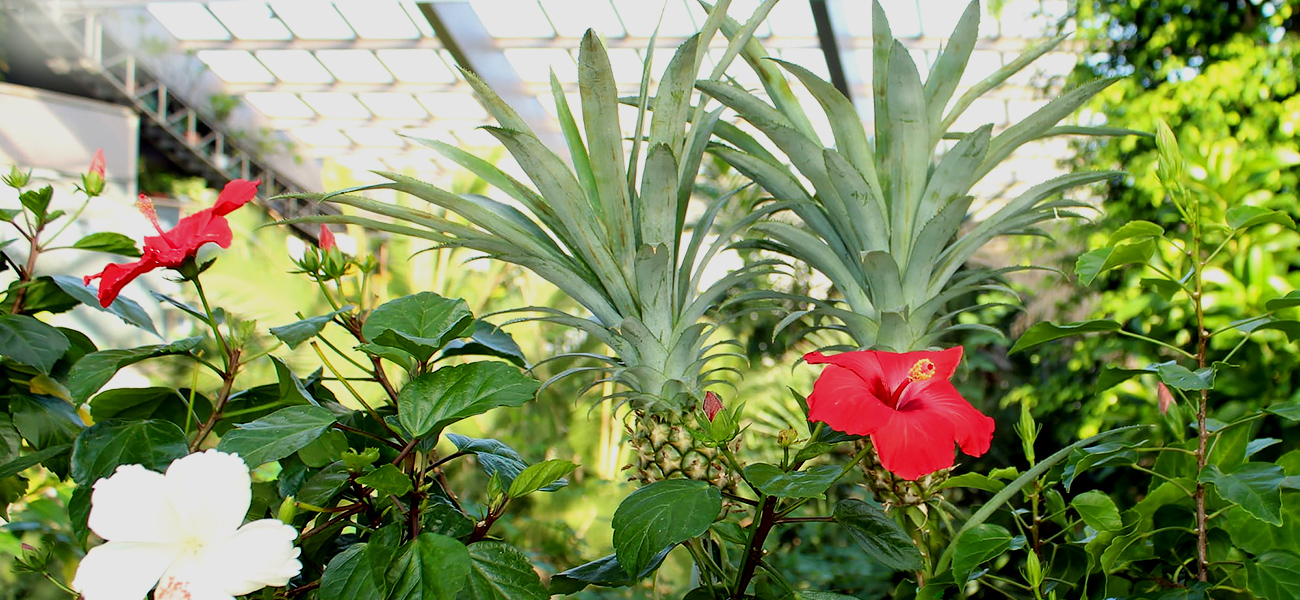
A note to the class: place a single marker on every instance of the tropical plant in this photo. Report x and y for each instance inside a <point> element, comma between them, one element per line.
<point>626,253</point>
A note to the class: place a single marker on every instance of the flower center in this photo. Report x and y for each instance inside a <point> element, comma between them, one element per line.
<point>146,208</point>
<point>922,370</point>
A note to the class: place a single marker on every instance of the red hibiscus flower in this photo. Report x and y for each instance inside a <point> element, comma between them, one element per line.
<point>170,249</point>
<point>905,402</point>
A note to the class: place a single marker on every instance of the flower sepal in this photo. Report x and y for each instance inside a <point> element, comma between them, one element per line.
<point>718,425</point>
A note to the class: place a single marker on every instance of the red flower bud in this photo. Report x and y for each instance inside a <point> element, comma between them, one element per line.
<point>712,404</point>
<point>97,163</point>
<point>326,241</point>
<point>1164,397</point>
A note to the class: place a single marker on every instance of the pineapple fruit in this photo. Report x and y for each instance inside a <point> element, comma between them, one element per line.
<point>619,247</point>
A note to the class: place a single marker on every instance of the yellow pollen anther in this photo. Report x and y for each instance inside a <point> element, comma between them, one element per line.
<point>923,369</point>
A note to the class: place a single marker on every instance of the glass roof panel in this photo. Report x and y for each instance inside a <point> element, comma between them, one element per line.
<point>295,66</point>
<point>627,65</point>
<point>336,105</point>
<point>941,17</point>
<point>375,136</point>
<point>416,65</point>
<point>188,20</point>
<point>313,20</point>
<point>794,19</point>
<point>742,10</point>
<point>387,105</point>
<point>378,19</point>
<point>321,136</point>
<point>904,19</point>
<point>279,105</point>
<point>534,65</point>
<point>572,19</point>
<point>447,105</point>
<point>641,16</point>
<point>357,66</point>
<point>250,20</point>
<point>525,18</point>
<point>417,17</point>
<point>235,66</point>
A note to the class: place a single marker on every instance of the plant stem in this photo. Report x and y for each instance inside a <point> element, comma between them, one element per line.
<point>25,276</point>
<point>1202,435</point>
<point>806,520</point>
<point>212,322</point>
<point>757,536</point>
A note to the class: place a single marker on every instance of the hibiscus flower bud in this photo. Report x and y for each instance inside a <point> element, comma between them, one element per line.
<point>712,404</point>
<point>326,240</point>
<point>17,179</point>
<point>787,438</point>
<point>1164,397</point>
<point>92,182</point>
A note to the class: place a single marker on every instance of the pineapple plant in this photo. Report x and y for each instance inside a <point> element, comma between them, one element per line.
<point>886,216</point>
<point>620,247</point>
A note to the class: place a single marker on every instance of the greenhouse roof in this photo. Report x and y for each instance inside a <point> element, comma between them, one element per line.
<point>354,80</point>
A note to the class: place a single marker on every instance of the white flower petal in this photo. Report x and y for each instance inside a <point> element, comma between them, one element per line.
<point>175,588</point>
<point>133,506</point>
<point>123,570</point>
<point>260,555</point>
<point>211,492</point>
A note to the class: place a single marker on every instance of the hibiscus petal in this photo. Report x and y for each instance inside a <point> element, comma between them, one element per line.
<point>863,364</point>
<point>211,492</point>
<point>187,579</point>
<point>115,277</point>
<point>897,365</point>
<point>132,506</point>
<point>971,428</point>
<point>916,443</point>
<point>184,240</point>
<point>842,400</point>
<point>123,570</point>
<point>236,194</point>
<point>260,555</point>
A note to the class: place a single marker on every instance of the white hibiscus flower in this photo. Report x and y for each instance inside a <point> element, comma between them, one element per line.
<point>181,532</point>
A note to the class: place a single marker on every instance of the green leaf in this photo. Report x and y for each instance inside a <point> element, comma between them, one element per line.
<point>1254,486</point>
<point>487,340</point>
<point>977,546</point>
<point>28,341</point>
<point>37,201</point>
<point>277,435</point>
<point>496,459</point>
<point>124,308</point>
<point>430,567</point>
<point>978,481</point>
<point>322,486</point>
<point>1243,216</point>
<point>605,572</point>
<point>327,448</point>
<point>878,534</point>
<point>306,329</point>
<point>1292,298</point>
<point>11,442</point>
<point>818,596</point>
<point>811,483</point>
<point>28,461</point>
<point>349,577</point>
<point>147,403</point>
<point>387,479</point>
<point>1177,376</point>
<point>110,242</point>
<point>95,369</point>
<point>1041,333</point>
<point>442,517</point>
<point>45,421</point>
<point>1274,575</point>
<point>661,515</point>
<point>103,447</point>
<point>1110,453</point>
<point>435,400</point>
<point>1135,229</point>
<point>1095,262</point>
<point>1289,410</point>
<point>1098,511</point>
<point>541,475</point>
<point>499,571</point>
<point>421,324</point>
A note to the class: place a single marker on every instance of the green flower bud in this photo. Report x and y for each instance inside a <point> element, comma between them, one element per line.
<point>17,179</point>
<point>288,510</point>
